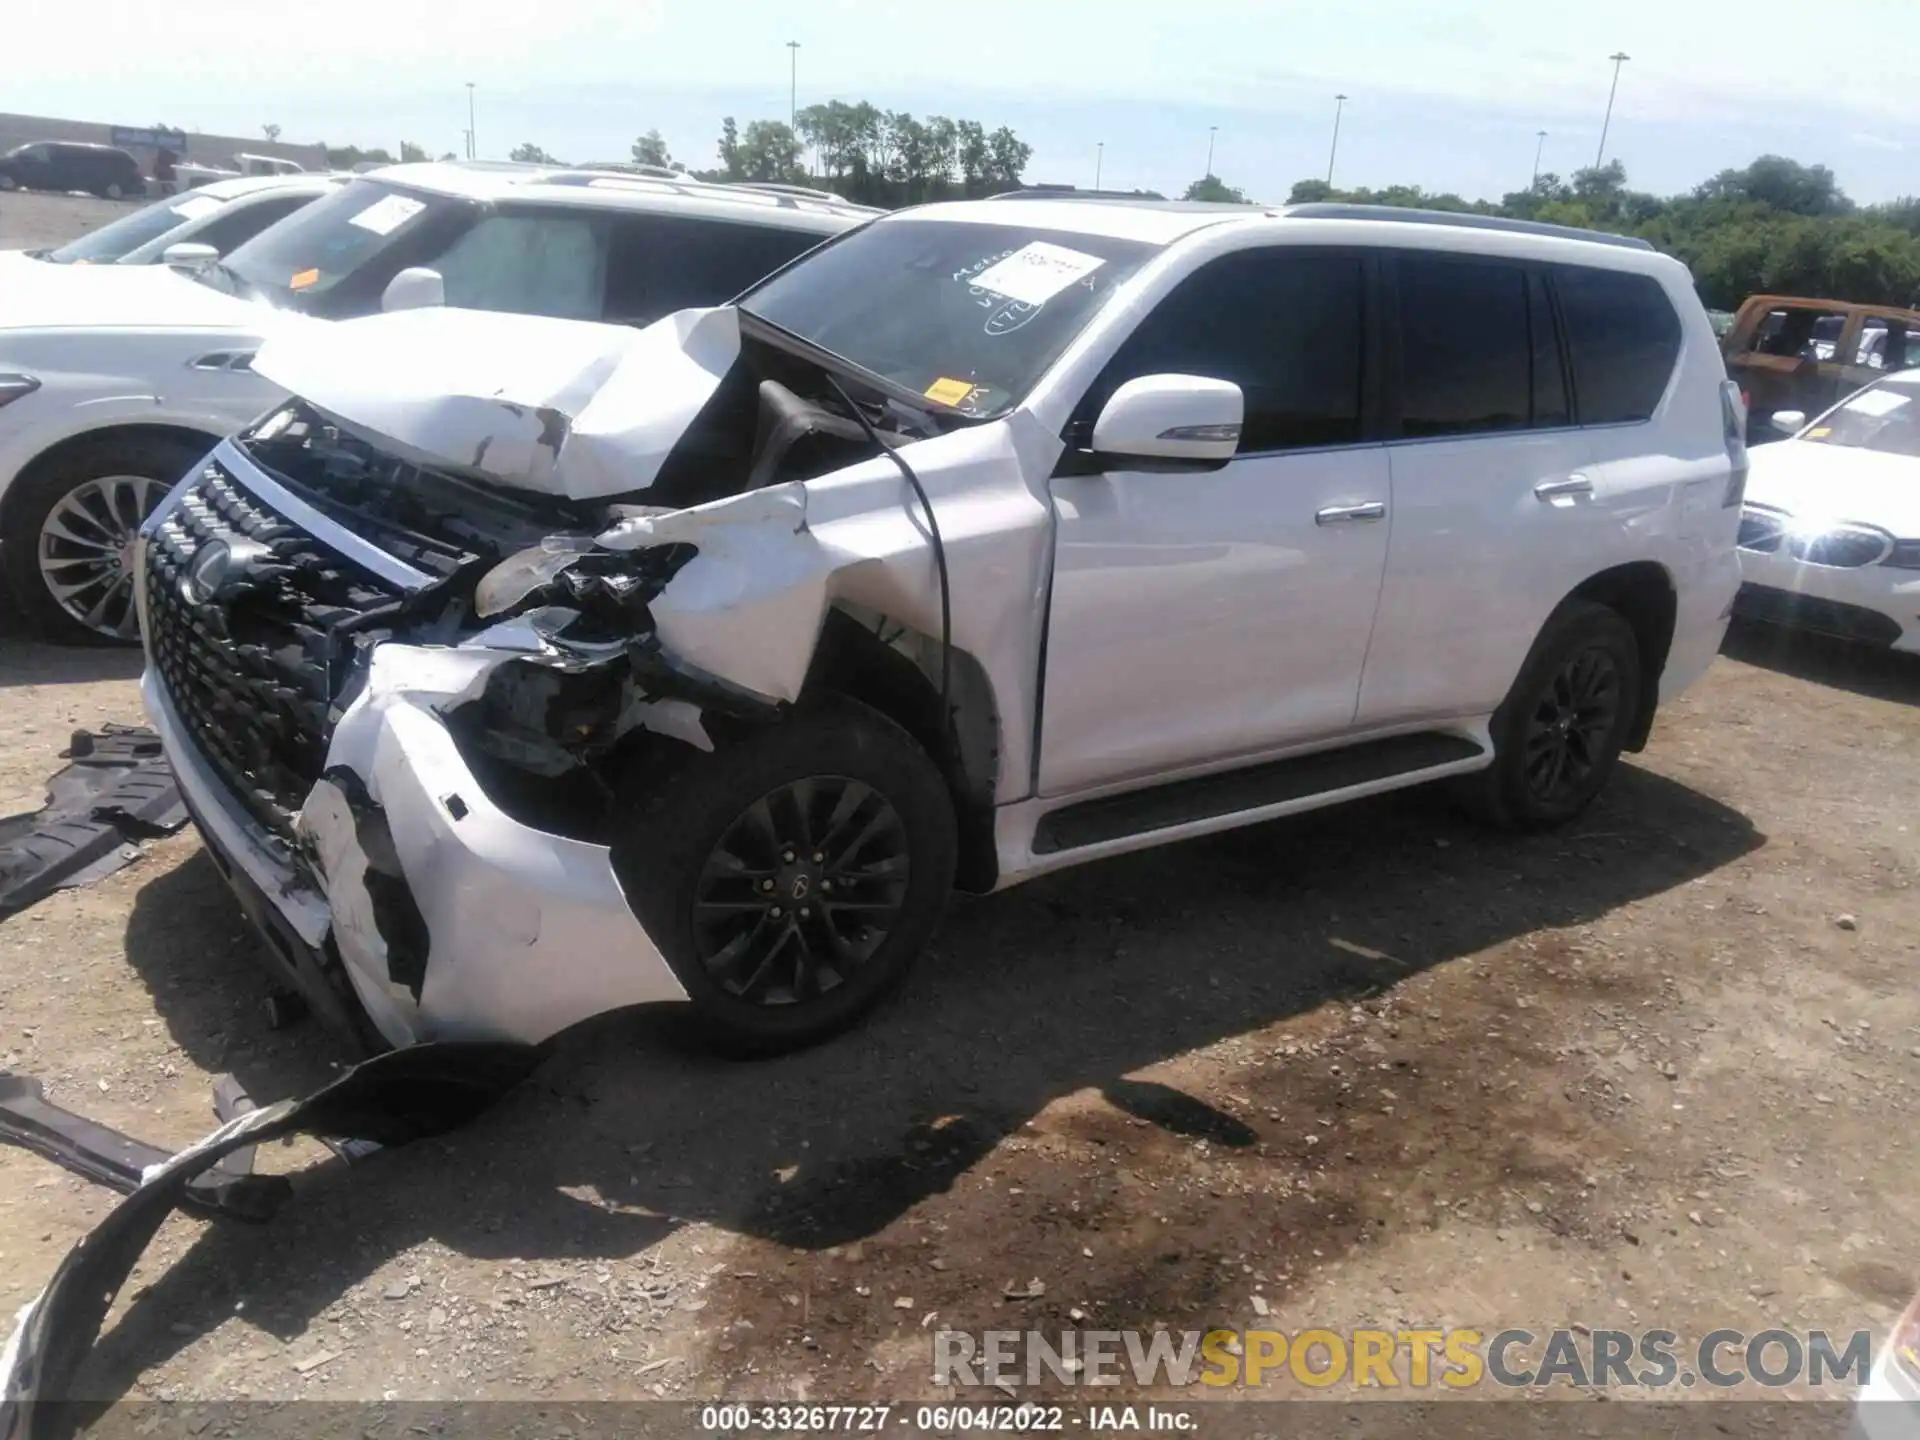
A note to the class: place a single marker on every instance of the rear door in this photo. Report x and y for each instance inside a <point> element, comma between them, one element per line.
<point>1489,512</point>
<point>662,263</point>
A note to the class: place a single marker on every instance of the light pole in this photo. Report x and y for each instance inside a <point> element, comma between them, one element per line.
<point>793,84</point>
<point>1339,104</point>
<point>473,143</point>
<point>1099,158</point>
<point>1535,185</point>
<point>1619,58</point>
<point>1212,130</point>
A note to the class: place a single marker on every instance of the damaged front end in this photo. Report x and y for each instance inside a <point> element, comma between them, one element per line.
<point>411,665</point>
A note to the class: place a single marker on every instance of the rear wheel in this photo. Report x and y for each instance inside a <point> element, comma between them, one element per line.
<point>114,191</point>
<point>792,877</point>
<point>1560,731</point>
<point>69,535</point>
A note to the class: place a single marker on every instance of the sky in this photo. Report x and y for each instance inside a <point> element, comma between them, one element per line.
<point>1449,96</point>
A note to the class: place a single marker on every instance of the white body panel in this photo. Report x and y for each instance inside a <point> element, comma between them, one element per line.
<point>1198,617</point>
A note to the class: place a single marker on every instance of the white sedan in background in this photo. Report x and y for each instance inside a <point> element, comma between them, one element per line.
<point>220,217</point>
<point>1830,532</point>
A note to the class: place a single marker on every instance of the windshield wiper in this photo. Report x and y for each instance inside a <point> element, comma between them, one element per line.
<point>237,284</point>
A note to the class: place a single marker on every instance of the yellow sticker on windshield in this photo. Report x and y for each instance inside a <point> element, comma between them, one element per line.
<point>949,392</point>
<point>1819,432</point>
<point>304,279</point>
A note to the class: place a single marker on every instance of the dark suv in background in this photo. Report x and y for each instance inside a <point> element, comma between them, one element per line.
<point>69,165</point>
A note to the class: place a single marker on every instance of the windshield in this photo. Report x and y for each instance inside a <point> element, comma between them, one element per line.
<point>969,315</point>
<point>364,226</point>
<point>130,232</point>
<point>1884,416</point>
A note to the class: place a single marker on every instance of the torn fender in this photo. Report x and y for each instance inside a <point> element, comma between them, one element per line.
<point>749,607</point>
<point>390,1100</point>
<point>568,408</point>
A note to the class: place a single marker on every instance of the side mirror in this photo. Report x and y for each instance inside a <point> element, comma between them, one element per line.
<point>1788,422</point>
<point>1171,422</point>
<point>415,288</point>
<point>189,255</point>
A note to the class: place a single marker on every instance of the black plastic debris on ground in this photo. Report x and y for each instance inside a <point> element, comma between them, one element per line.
<point>403,1095</point>
<point>117,791</point>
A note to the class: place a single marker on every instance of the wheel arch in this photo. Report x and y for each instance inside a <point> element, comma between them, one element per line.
<point>894,669</point>
<point>145,431</point>
<point>1642,593</point>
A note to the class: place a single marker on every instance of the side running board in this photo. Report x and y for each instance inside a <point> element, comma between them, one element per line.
<point>1229,792</point>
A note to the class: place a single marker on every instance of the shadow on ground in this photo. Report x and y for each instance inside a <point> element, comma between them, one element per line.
<point>1071,983</point>
<point>28,662</point>
<point>1865,670</point>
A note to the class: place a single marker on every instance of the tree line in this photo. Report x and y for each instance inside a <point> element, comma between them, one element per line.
<point>1775,227</point>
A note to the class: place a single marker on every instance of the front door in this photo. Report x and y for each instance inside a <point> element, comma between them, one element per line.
<point>1200,617</point>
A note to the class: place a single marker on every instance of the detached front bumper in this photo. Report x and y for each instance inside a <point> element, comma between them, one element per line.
<point>451,920</point>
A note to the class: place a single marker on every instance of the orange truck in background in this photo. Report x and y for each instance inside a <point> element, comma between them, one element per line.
<point>1790,353</point>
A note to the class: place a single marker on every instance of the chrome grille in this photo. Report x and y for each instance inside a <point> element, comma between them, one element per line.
<point>253,669</point>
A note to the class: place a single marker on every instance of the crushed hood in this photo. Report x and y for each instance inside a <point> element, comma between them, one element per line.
<point>38,296</point>
<point>567,408</point>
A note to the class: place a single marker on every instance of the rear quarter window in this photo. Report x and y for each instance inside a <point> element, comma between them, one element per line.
<point>1623,338</point>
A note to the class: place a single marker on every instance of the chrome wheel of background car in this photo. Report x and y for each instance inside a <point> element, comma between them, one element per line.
<point>801,890</point>
<point>1568,733</point>
<point>86,550</point>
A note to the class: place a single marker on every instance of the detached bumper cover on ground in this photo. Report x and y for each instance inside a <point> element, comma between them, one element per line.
<point>390,1100</point>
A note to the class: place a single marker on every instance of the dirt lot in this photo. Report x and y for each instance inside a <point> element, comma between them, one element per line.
<point>28,222</point>
<point>1371,1067</point>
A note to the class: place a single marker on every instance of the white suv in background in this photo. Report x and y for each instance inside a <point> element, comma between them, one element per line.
<point>115,380</point>
<point>519,670</point>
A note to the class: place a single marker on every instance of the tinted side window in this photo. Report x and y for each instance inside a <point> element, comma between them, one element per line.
<point>1285,325</point>
<point>1624,339</point>
<point>663,263</point>
<point>243,222</point>
<point>543,263</point>
<point>1466,352</point>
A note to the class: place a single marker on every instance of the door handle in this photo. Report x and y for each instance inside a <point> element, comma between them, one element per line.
<point>1572,485</point>
<point>1338,514</point>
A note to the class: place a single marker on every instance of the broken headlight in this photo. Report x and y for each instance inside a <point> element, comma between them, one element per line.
<point>525,571</point>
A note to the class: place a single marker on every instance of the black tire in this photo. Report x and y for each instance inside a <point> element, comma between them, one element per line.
<point>669,858</point>
<point>1575,699</point>
<point>161,462</point>
<point>113,191</point>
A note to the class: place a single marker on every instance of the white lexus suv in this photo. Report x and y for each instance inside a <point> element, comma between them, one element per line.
<point>518,670</point>
<point>115,380</point>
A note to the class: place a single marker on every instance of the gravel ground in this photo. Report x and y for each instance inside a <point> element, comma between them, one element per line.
<point>1369,1067</point>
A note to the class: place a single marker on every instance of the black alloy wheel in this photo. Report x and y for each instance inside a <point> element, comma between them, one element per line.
<point>1568,733</point>
<point>801,891</point>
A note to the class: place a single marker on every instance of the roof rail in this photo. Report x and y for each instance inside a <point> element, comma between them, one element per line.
<point>1333,210</point>
<point>1068,192</point>
<point>799,192</point>
<point>631,167</point>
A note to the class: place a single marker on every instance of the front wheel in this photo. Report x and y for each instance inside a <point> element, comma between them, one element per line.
<point>114,190</point>
<point>792,876</point>
<point>69,535</point>
<point>1560,731</point>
